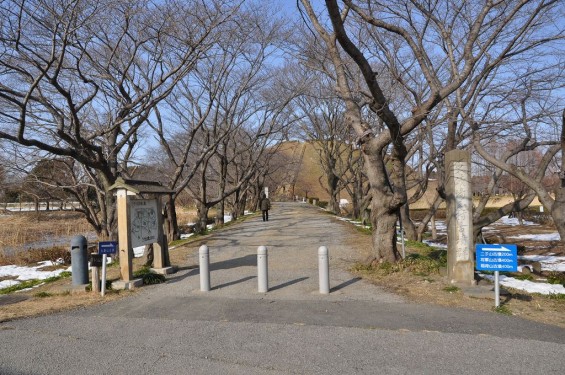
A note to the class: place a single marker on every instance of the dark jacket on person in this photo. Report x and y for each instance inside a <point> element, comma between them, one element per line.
<point>265,204</point>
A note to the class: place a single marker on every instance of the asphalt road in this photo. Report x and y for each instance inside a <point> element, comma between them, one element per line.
<point>358,328</point>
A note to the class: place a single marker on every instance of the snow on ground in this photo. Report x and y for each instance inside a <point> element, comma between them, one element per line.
<point>512,221</point>
<point>548,262</point>
<point>527,286</point>
<point>27,273</point>
<point>538,237</point>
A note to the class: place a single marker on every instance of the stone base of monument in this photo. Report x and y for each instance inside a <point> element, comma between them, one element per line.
<point>82,288</point>
<point>163,271</point>
<point>482,291</point>
<point>126,285</point>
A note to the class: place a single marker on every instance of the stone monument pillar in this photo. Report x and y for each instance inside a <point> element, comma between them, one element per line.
<point>459,199</point>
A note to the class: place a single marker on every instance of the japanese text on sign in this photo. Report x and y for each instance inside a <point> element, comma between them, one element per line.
<point>497,258</point>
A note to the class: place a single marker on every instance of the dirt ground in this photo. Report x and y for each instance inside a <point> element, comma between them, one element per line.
<point>428,288</point>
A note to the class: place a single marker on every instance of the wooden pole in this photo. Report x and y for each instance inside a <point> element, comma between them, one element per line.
<point>125,250</point>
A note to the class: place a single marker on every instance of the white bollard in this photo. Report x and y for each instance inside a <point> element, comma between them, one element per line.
<point>262,270</point>
<point>103,286</point>
<point>324,270</point>
<point>204,268</point>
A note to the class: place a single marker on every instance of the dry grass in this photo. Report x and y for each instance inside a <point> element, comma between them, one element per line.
<point>24,228</point>
<point>20,231</point>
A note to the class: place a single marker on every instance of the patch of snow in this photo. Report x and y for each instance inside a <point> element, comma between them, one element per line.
<point>512,221</point>
<point>548,263</point>
<point>27,273</point>
<point>354,222</point>
<point>439,245</point>
<point>539,237</point>
<point>8,283</point>
<point>185,236</point>
<point>527,286</point>
<point>138,251</point>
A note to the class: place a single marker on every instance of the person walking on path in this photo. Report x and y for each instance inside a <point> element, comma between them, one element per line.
<point>265,205</point>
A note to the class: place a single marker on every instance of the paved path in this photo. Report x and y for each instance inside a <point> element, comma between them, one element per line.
<point>357,329</point>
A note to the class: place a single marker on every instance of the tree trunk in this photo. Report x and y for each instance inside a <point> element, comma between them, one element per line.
<point>202,223</point>
<point>173,232</point>
<point>222,189</point>
<point>384,234</point>
<point>407,223</point>
<point>430,216</point>
<point>434,227</point>
<point>333,181</point>
<point>384,211</point>
<point>558,207</point>
<point>558,210</point>
<point>148,255</point>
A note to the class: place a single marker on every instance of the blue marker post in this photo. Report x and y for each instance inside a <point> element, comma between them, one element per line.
<point>495,257</point>
<point>105,248</point>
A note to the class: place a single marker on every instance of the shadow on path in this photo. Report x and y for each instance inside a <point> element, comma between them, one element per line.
<point>345,284</point>
<point>233,282</point>
<point>244,261</point>
<point>288,283</point>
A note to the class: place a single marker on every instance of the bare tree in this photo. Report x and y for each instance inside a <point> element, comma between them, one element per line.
<point>224,103</point>
<point>443,46</point>
<point>80,79</point>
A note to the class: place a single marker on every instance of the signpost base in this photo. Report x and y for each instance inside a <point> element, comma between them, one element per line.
<point>127,285</point>
<point>163,271</point>
<point>496,258</point>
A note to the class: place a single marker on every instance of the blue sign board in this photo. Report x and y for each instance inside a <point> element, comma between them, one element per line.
<point>107,247</point>
<point>497,257</point>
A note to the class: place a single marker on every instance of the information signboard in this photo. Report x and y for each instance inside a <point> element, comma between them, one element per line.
<point>495,257</point>
<point>143,221</point>
<point>107,247</point>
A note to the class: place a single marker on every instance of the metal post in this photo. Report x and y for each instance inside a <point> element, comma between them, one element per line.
<point>204,268</point>
<point>496,289</point>
<point>262,270</point>
<point>79,260</point>
<point>324,270</point>
<point>103,286</point>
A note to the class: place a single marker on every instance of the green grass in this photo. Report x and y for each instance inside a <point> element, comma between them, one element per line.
<point>43,295</point>
<point>451,289</point>
<point>31,283</point>
<point>556,278</point>
<point>521,276</point>
<point>417,245</point>
<point>363,230</point>
<point>502,309</point>
<point>23,285</point>
<point>557,296</point>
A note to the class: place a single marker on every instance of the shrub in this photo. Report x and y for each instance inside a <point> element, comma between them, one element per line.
<point>148,277</point>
